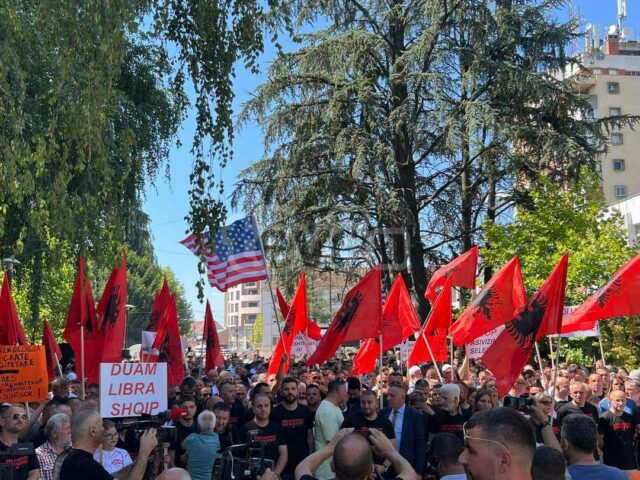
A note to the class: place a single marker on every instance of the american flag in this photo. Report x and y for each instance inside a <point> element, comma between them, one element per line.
<point>234,258</point>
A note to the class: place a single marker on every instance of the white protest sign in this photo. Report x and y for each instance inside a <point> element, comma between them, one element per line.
<point>299,347</point>
<point>593,332</point>
<point>147,342</point>
<point>131,389</point>
<point>405,348</point>
<point>480,345</point>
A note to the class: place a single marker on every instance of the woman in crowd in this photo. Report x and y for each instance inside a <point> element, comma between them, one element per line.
<point>111,458</point>
<point>484,400</point>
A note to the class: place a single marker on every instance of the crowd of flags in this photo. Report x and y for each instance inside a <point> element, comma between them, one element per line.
<point>96,333</point>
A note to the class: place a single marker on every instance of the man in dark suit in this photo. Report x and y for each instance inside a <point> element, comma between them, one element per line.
<point>409,429</point>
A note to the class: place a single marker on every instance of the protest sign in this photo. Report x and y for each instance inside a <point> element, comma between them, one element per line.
<point>480,345</point>
<point>594,332</point>
<point>23,373</point>
<point>405,348</point>
<point>299,347</point>
<point>147,342</point>
<point>131,389</point>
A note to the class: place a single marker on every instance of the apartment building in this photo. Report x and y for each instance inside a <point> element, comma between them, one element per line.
<point>610,76</point>
<point>242,305</point>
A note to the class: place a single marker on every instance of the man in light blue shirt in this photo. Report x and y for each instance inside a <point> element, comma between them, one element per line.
<point>202,448</point>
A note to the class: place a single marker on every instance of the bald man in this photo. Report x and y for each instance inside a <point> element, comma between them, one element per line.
<point>351,457</point>
<point>86,437</point>
<point>174,474</point>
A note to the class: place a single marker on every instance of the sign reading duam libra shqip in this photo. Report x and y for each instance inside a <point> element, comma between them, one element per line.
<point>132,389</point>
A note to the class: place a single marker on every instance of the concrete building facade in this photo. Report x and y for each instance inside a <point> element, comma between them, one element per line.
<point>242,305</point>
<point>610,76</point>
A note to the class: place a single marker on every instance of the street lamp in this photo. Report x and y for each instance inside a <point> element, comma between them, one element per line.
<point>125,351</point>
<point>9,266</point>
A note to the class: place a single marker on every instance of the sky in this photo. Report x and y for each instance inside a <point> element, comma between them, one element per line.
<point>167,203</point>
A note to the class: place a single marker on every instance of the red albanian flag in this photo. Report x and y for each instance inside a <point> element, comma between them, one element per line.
<point>296,321</point>
<point>313,329</point>
<point>160,303</point>
<point>11,332</point>
<point>112,315</point>
<point>169,344</point>
<point>212,342</point>
<point>435,330</point>
<point>52,350</point>
<point>461,271</point>
<point>82,313</point>
<point>359,317</point>
<point>495,304</point>
<point>620,297</point>
<point>513,347</point>
<point>399,321</point>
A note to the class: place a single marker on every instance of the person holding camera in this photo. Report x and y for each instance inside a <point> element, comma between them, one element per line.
<point>12,421</point>
<point>442,458</point>
<point>367,419</point>
<point>86,436</point>
<point>263,430</point>
<point>351,458</point>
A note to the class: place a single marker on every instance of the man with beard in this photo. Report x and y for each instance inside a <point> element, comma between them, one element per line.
<point>499,444</point>
<point>296,423</point>
<point>353,401</point>
<point>368,419</point>
<point>314,397</point>
<point>58,433</point>
<point>228,434</point>
<point>12,420</point>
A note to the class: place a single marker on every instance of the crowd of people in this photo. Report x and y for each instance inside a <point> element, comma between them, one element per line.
<point>578,422</point>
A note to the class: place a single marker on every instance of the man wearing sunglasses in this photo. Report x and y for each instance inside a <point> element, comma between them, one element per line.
<point>12,420</point>
<point>499,445</point>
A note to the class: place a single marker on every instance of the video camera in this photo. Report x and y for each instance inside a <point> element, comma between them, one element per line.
<point>7,470</point>
<point>135,430</point>
<point>248,463</point>
<point>522,404</point>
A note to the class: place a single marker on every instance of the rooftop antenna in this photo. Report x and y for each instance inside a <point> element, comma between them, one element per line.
<point>622,13</point>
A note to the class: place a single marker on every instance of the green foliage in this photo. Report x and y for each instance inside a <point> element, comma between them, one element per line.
<point>256,331</point>
<point>569,217</point>
<point>390,130</point>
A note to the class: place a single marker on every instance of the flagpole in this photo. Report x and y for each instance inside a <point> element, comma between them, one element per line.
<point>555,373</point>
<point>542,377</point>
<point>380,374</point>
<point>551,352</point>
<point>58,362</point>
<point>82,360</point>
<point>601,348</point>
<point>433,358</point>
<point>273,299</point>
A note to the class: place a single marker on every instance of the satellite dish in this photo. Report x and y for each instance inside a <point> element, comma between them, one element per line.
<point>612,30</point>
<point>627,32</point>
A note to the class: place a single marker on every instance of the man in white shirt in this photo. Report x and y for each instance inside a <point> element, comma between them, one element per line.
<point>328,420</point>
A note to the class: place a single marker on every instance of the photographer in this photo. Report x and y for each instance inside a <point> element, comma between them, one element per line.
<point>86,436</point>
<point>12,420</point>
<point>351,458</point>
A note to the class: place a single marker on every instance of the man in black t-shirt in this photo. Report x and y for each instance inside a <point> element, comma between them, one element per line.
<point>578,404</point>
<point>296,423</point>
<point>616,432</point>
<point>228,434</point>
<point>262,430</point>
<point>238,416</point>
<point>86,436</point>
<point>185,426</point>
<point>448,417</point>
<point>12,420</point>
<point>368,419</point>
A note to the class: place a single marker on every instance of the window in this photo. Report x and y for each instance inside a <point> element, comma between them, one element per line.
<point>252,292</point>
<point>597,71</point>
<point>615,111</point>
<point>613,87</point>
<point>598,167</point>
<point>621,191</point>
<point>616,139</point>
<point>618,165</point>
<point>251,318</point>
<point>250,284</point>
<point>613,71</point>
